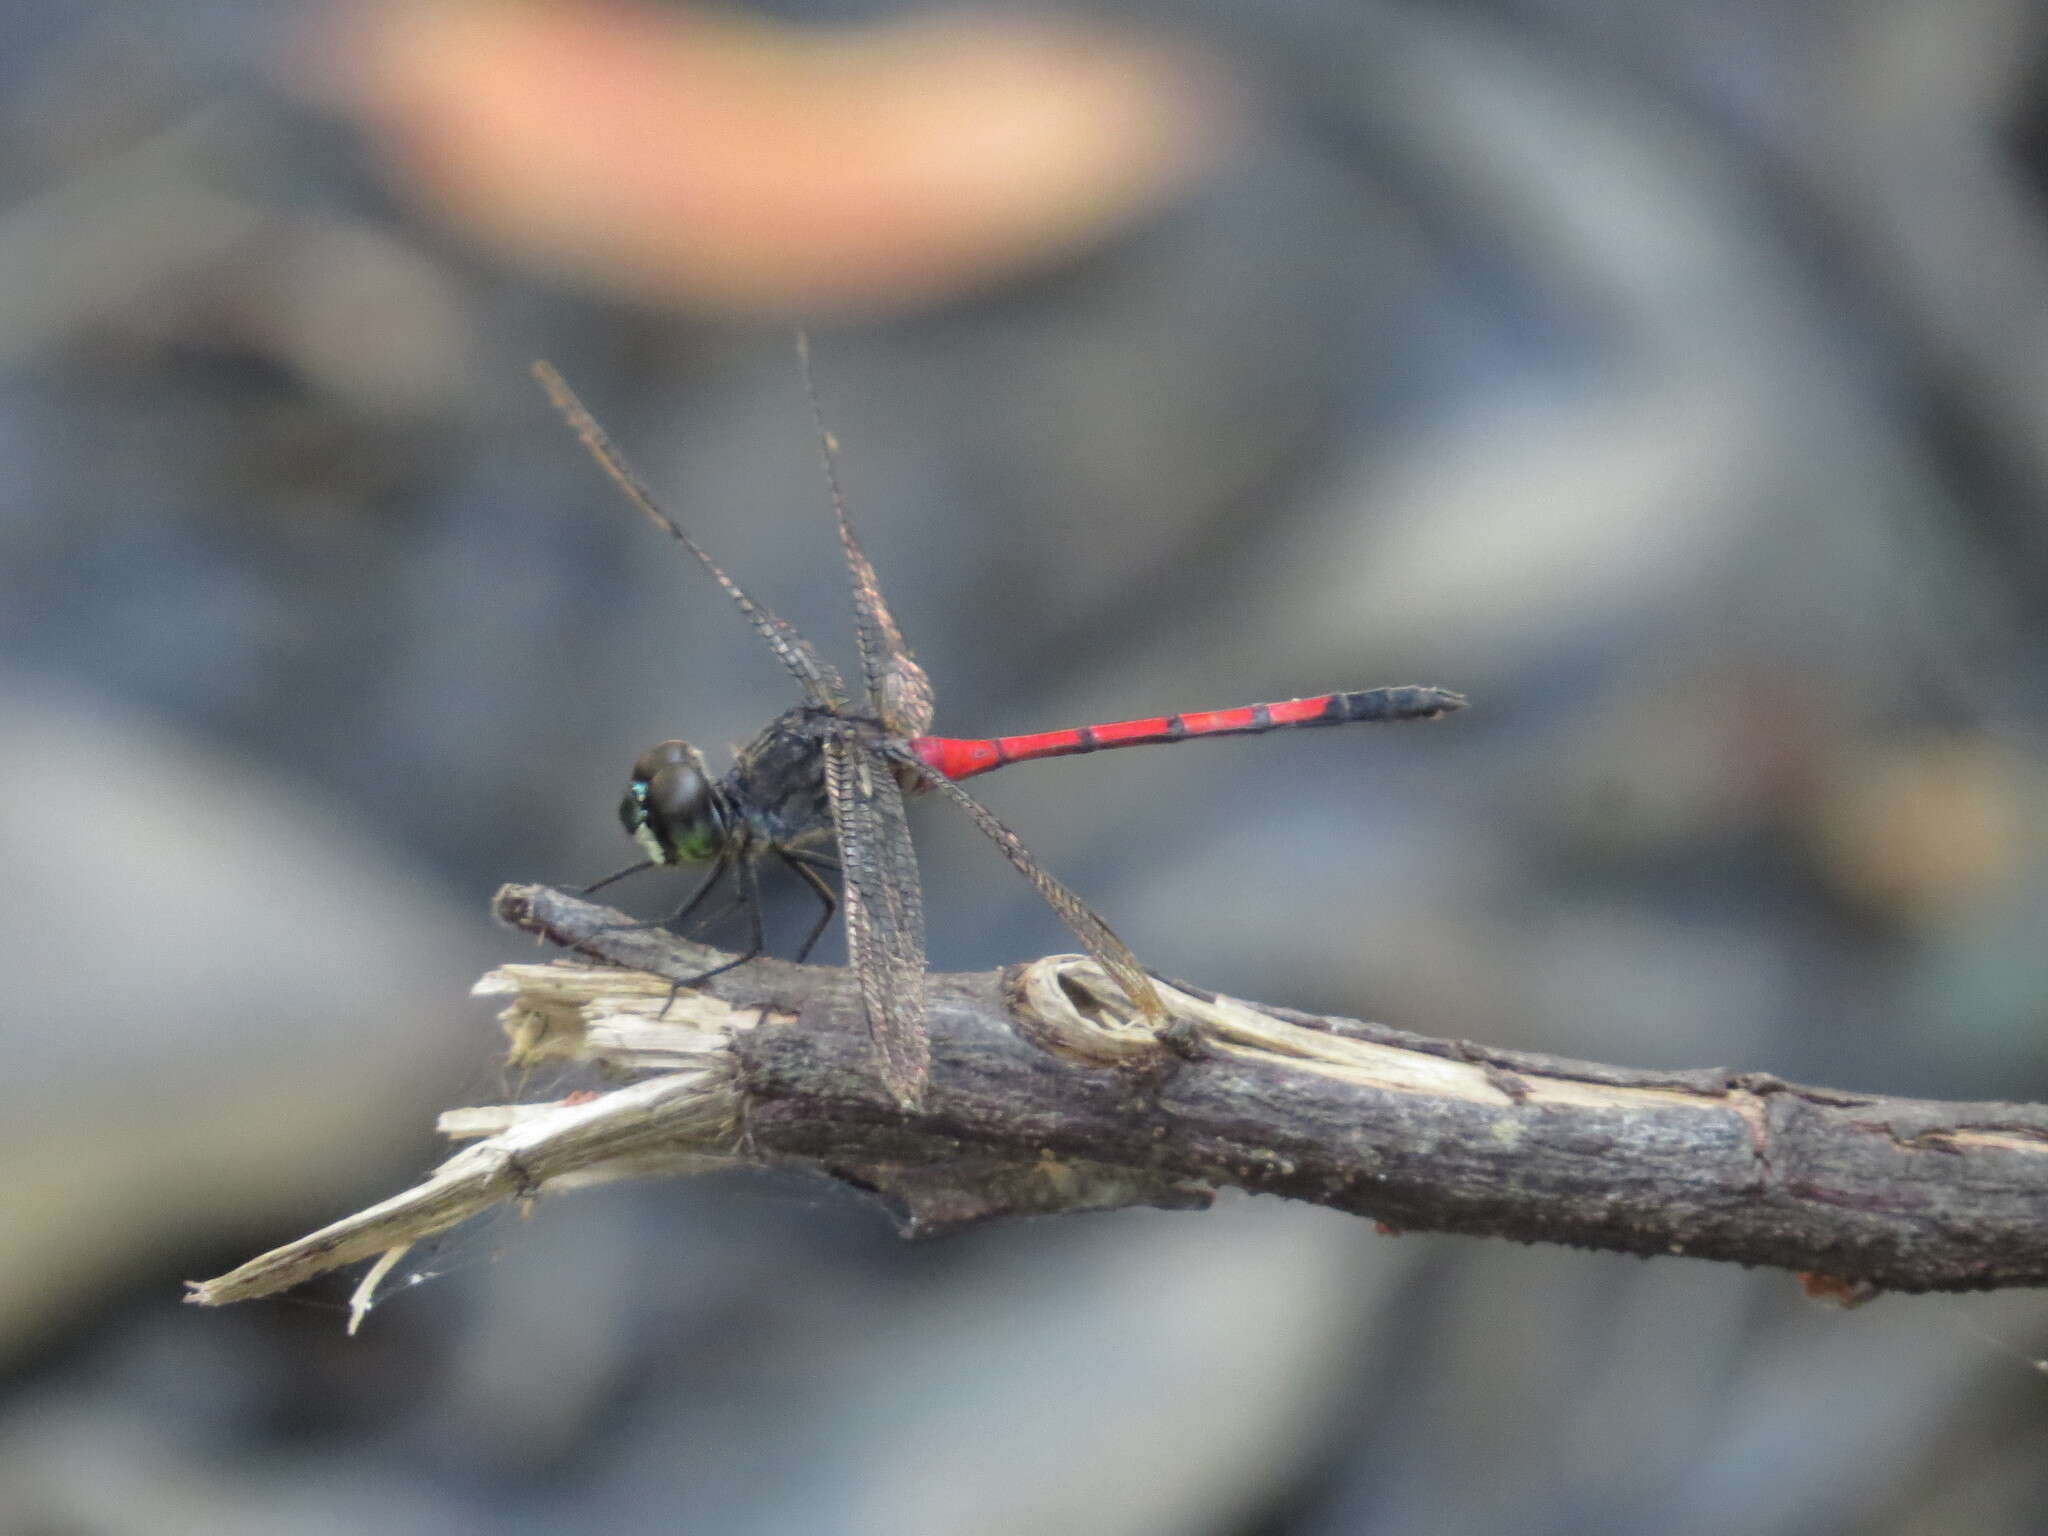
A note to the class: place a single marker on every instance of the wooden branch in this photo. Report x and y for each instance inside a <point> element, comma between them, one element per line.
<point>1048,1094</point>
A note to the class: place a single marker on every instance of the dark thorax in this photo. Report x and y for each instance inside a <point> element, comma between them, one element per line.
<point>777,787</point>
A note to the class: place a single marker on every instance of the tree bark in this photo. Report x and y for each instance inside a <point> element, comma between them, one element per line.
<point>1047,1094</point>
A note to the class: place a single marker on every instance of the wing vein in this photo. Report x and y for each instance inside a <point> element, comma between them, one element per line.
<point>1108,951</point>
<point>884,911</point>
<point>821,682</point>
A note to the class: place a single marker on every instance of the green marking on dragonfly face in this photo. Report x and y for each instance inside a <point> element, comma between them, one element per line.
<point>697,844</point>
<point>634,817</point>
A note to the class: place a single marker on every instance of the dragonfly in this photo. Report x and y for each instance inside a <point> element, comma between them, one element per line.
<point>821,790</point>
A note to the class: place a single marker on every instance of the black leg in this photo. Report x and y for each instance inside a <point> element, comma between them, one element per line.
<point>750,899</point>
<point>631,869</point>
<point>806,868</point>
<point>709,884</point>
<point>808,864</point>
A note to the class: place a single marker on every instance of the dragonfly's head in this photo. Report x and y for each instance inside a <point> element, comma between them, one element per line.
<point>672,808</point>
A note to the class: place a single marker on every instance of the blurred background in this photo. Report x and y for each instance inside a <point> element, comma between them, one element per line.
<point>1672,378</point>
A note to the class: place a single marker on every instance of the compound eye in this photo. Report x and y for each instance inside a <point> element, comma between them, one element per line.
<point>671,806</point>
<point>664,754</point>
<point>678,799</point>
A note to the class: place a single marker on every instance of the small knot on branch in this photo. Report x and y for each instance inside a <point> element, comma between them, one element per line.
<point>1068,1007</point>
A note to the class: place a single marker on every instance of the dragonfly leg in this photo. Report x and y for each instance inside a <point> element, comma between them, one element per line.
<point>807,866</point>
<point>614,879</point>
<point>819,861</point>
<point>709,884</point>
<point>749,900</point>
<point>696,899</point>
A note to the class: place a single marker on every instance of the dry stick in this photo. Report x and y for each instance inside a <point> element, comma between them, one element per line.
<point>1049,1094</point>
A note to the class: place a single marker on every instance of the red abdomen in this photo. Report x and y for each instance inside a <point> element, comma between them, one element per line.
<point>961,758</point>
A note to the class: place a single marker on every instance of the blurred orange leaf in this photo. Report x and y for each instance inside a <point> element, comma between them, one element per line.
<point>739,166</point>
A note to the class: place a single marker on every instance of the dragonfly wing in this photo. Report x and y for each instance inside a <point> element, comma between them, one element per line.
<point>821,682</point>
<point>884,910</point>
<point>898,690</point>
<point>1108,951</point>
